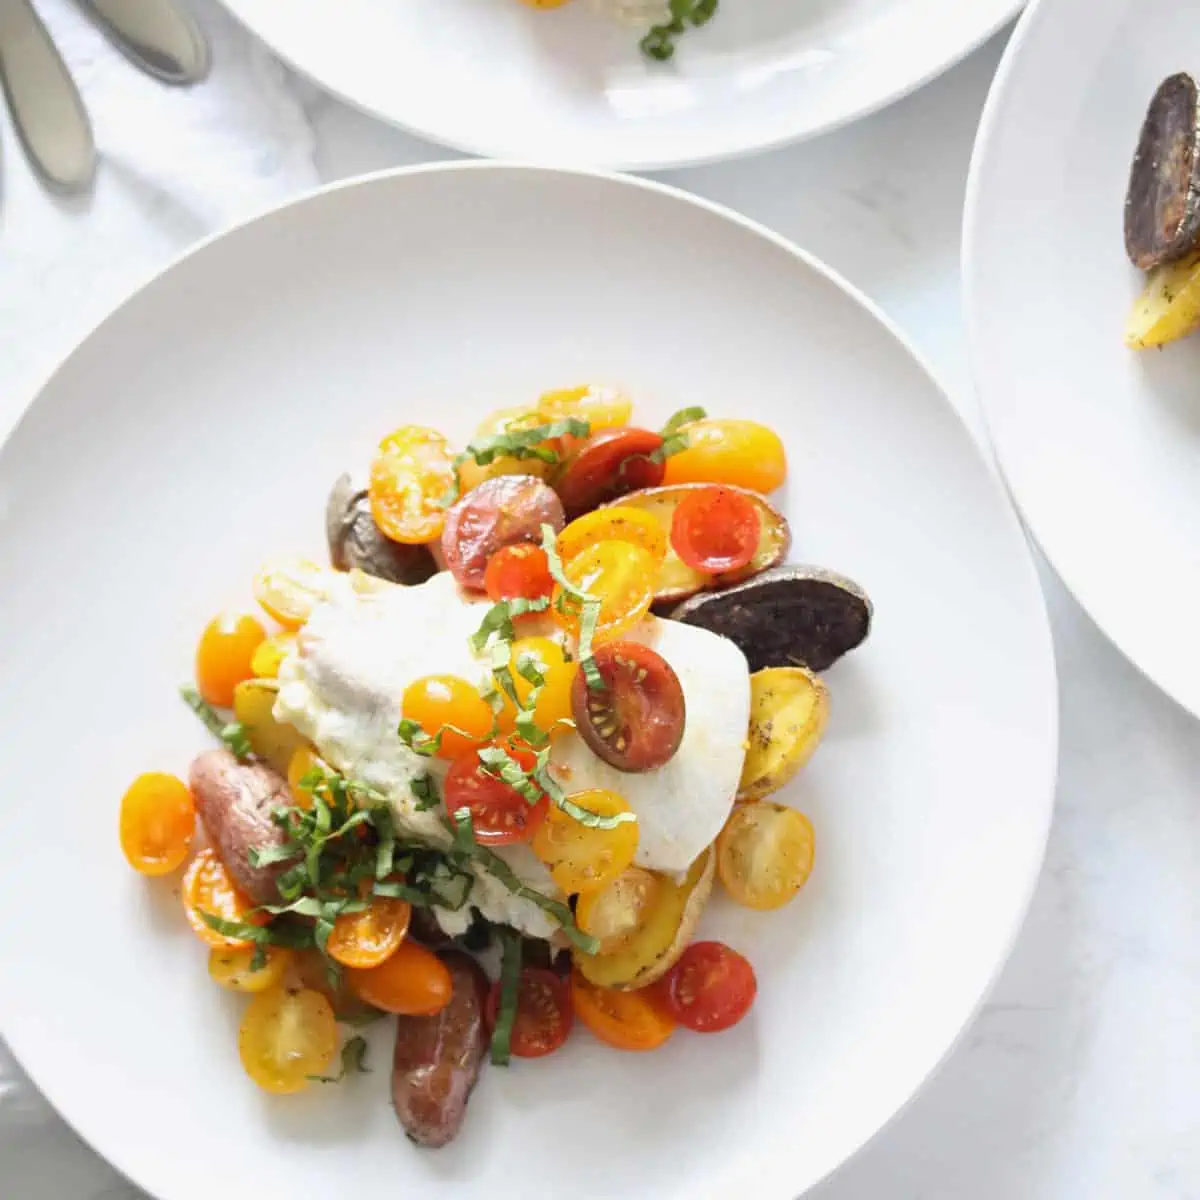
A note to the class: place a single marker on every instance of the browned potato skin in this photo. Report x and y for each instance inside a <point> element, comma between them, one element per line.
<point>234,801</point>
<point>677,581</point>
<point>438,1059</point>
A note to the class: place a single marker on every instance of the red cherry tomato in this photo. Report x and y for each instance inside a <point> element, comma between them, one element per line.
<point>609,464</point>
<point>635,722</point>
<point>710,988</point>
<point>499,813</point>
<point>715,529</point>
<point>520,571</point>
<point>544,1014</point>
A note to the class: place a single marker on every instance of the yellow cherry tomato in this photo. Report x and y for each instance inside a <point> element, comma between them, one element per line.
<point>552,709</point>
<point>287,1036</point>
<point>290,589</point>
<point>437,702</point>
<point>765,854</point>
<point>225,656</point>
<point>505,420</point>
<point>303,762</point>
<point>600,407</point>
<point>233,967</point>
<point>209,888</point>
<point>158,819</point>
<point>621,575</point>
<point>621,523</point>
<point>582,858</point>
<point>614,913</point>
<point>269,655</point>
<point>545,3</point>
<point>411,474</point>
<point>742,453</point>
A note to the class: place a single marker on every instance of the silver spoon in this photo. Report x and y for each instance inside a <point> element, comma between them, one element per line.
<point>159,36</point>
<point>46,107</point>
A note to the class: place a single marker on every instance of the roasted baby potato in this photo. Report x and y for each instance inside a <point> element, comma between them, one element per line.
<point>273,741</point>
<point>786,617</point>
<point>1169,308</point>
<point>788,710</point>
<point>676,580</point>
<point>663,936</point>
<point>356,541</point>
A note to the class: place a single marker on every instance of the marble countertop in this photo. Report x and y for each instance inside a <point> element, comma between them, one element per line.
<point>1078,1079</point>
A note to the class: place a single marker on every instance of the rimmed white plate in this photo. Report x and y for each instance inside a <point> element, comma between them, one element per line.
<point>1100,445</point>
<point>570,87</point>
<point>197,431</point>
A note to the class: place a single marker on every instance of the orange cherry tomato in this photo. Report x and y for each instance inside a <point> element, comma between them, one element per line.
<point>225,656</point>
<point>765,854</point>
<point>209,888</point>
<point>158,819</point>
<point>412,981</point>
<point>287,1036</point>
<point>622,575</point>
<point>269,656</point>
<point>742,453</point>
<point>552,709</point>
<point>412,473</point>
<point>520,571</point>
<point>290,589</point>
<point>600,407</point>
<point>303,762</point>
<point>437,702</point>
<point>367,938</point>
<point>715,529</point>
<point>543,1019</point>
<point>709,989</point>
<point>581,858</point>
<point>620,523</point>
<point>623,1020</point>
<point>499,813</point>
<point>233,968</point>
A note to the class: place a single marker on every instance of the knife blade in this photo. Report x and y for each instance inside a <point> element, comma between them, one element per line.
<point>46,107</point>
<point>159,36</point>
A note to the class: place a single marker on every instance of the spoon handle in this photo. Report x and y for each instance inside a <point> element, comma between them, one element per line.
<point>46,106</point>
<point>159,36</point>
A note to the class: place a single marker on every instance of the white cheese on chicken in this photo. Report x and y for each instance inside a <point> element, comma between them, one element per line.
<point>342,689</point>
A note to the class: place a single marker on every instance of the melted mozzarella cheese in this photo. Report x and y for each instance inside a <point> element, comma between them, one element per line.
<point>342,689</point>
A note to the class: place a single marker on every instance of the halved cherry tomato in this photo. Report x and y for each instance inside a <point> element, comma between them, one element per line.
<point>209,888</point>
<point>520,571</point>
<point>622,575</point>
<point>636,721</point>
<point>719,450</point>
<point>367,938</point>
<point>616,912</point>
<point>231,968</point>
<point>302,763</point>
<point>623,1020</point>
<point>310,969</point>
<point>609,464</point>
<point>709,989</point>
<point>225,656</point>
<point>499,813</point>
<point>544,1015</point>
<point>287,1036</point>
<point>600,407</point>
<point>552,709</point>
<point>506,420</point>
<point>438,702</point>
<point>715,529</point>
<point>620,523</point>
<point>581,858</point>
<point>412,473</point>
<point>765,854</point>
<point>269,655</point>
<point>411,981</point>
<point>290,589</point>
<point>158,819</point>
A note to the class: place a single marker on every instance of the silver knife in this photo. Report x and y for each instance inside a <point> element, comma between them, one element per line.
<point>46,107</point>
<point>160,36</point>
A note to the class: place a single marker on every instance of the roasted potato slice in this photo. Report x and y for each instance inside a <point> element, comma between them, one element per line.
<point>1169,308</point>
<point>663,936</point>
<point>676,580</point>
<point>356,541</point>
<point>788,710</point>
<point>273,741</point>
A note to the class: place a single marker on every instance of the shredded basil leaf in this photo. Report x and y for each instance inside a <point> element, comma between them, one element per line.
<point>232,733</point>
<point>585,816</point>
<point>510,985</point>
<point>354,1061</point>
<point>499,620</point>
<point>685,416</point>
<point>425,792</point>
<point>260,935</point>
<point>659,43</point>
<point>588,606</point>
<point>417,740</point>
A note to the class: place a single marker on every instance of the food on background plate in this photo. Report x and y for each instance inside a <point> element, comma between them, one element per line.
<point>513,753</point>
<point>663,20</point>
<point>1162,216</point>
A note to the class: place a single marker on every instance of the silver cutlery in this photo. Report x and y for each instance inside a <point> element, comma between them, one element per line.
<point>159,36</point>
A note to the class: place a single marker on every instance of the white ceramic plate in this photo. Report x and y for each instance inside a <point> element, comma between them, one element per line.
<point>197,431</point>
<point>570,87</point>
<point>1101,446</point>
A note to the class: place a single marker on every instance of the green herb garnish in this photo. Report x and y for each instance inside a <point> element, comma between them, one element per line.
<point>510,984</point>
<point>354,1062</point>
<point>586,605</point>
<point>659,43</point>
<point>425,792</point>
<point>232,733</point>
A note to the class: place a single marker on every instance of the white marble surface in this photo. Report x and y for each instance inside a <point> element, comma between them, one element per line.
<point>1079,1079</point>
